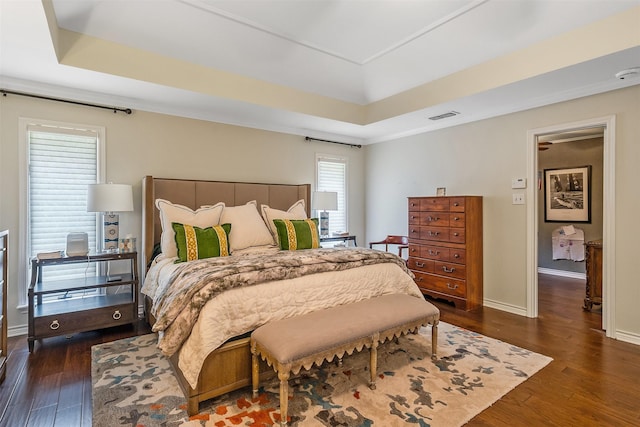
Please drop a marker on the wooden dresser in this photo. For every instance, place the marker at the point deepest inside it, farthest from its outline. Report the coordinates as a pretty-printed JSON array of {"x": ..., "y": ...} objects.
[
  {"x": 593, "y": 257},
  {"x": 445, "y": 248}
]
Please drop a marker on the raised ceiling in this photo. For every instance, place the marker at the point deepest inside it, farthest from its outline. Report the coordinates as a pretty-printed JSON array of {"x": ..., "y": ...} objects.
[{"x": 356, "y": 71}]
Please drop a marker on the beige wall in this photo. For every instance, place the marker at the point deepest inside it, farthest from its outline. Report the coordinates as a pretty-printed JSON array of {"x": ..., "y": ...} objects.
[
  {"x": 169, "y": 147},
  {"x": 481, "y": 158}
]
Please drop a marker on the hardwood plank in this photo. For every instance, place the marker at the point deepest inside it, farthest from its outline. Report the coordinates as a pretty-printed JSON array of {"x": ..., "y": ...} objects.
[
  {"x": 69, "y": 416},
  {"x": 42, "y": 417}
]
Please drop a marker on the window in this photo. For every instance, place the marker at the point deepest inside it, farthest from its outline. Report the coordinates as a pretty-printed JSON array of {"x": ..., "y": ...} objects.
[
  {"x": 331, "y": 175},
  {"x": 59, "y": 161}
]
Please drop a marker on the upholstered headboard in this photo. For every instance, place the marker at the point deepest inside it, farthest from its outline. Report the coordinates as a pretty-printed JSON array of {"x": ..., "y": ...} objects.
[{"x": 196, "y": 193}]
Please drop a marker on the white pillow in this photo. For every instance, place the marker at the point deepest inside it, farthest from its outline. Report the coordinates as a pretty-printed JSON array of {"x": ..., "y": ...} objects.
[
  {"x": 206, "y": 216},
  {"x": 296, "y": 211},
  {"x": 247, "y": 228}
]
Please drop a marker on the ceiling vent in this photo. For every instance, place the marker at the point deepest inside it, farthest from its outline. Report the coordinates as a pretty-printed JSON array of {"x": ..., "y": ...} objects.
[{"x": 444, "y": 116}]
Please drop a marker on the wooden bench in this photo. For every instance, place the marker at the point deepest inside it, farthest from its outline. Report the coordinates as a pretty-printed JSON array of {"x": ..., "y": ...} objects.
[{"x": 289, "y": 345}]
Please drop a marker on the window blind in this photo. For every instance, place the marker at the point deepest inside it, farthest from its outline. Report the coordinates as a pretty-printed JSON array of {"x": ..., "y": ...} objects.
[
  {"x": 332, "y": 176},
  {"x": 61, "y": 164}
]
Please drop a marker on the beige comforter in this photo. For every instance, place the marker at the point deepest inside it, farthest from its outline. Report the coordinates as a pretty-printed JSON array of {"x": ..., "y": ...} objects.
[{"x": 199, "y": 308}]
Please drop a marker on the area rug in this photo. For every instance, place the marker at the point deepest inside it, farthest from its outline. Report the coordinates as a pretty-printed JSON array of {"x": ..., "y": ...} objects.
[{"x": 133, "y": 385}]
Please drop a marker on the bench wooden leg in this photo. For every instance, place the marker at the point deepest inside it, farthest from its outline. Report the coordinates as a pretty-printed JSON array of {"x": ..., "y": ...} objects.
[
  {"x": 373, "y": 361},
  {"x": 284, "y": 396},
  {"x": 255, "y": 372},
  {"x": 434, "y": 340}
]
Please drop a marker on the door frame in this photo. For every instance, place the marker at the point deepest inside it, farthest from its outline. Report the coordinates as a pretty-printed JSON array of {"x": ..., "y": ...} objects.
[{"x": 608, "y": 215}]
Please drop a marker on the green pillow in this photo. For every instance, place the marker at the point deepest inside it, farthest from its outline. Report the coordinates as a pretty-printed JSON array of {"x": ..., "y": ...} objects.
[
  {"x": 199, "y": 243},
  {"x": 294, "y": 234}
]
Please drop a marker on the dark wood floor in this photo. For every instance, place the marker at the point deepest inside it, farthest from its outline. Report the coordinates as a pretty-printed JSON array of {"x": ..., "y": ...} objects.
[{"x": 593, "y": 380}]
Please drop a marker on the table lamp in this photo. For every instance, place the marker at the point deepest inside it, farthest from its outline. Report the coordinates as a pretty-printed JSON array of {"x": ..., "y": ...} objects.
[
  {"x": 325, "y": 201},
  {"x": 109, "y": 199}
]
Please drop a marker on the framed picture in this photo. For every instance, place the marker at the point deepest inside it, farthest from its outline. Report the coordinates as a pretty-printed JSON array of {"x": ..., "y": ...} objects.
[
  {"x": 441, "y": 191},
  {"x": 567, "y": 194}
]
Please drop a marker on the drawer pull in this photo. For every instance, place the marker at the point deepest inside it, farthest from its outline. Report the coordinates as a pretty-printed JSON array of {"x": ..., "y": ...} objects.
[
  {"x": 413, "y": 217},
  {"x": 456, "y": 204},
  {"x": 431, "y": 219},
  {"x": 54, "y": 325},
  {"x": 455, "y": 218},
  {"x": 456, "y": 234},
  {"x": 433, "y": 252},
  {"x": 434, "y": 233},
  {"x": 456, "y": 255},
  {"x": 418, "y": 279},
  {"x": 446, "y": 270},
  {"x": 420, "y": 264},
  {"x": 452, "y": 286},
  {"x": 117, "y": 315}
]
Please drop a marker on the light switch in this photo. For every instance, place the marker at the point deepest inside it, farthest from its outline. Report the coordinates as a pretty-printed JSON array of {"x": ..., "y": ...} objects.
[{"x": 518, "y": 199}]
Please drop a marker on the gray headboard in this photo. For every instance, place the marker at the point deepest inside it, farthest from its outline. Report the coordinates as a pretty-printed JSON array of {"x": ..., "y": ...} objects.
[{"x": 196, "y": 193}]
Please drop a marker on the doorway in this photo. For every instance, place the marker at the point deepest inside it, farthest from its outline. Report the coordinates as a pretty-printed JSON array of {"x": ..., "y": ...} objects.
[
  {"x": 570, "y": 175},
  {"x": 534, "y": 136}
]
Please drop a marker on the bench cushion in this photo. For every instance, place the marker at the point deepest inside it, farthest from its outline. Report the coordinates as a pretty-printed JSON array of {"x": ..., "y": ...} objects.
[{"x": 292, "y": 339}]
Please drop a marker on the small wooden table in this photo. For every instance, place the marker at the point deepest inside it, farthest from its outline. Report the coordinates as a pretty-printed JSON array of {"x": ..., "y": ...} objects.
[{"x": 593, "y": 252}]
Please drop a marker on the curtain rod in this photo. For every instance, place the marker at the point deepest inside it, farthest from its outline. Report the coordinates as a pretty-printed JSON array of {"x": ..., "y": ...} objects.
[
  {"x": 308, "y": 138},
  {"x": 68, "y": 101}
]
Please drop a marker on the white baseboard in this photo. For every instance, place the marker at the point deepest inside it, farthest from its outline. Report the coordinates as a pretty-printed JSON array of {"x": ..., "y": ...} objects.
[
  {"x": 563, "y": 273},
  {"x": 630, "y": 337},
  {"x": 15, "y": 331},
  {"x": 509, "y": 308}
]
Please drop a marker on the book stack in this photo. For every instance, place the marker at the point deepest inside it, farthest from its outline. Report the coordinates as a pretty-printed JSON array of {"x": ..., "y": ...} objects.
[{"x": 50, "y": 255}]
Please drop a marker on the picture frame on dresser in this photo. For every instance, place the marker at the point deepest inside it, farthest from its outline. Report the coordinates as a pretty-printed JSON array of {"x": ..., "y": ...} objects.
[{"x": 567, "y": 194}]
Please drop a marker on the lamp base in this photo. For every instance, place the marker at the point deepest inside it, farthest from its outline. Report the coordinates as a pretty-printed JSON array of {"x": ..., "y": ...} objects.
[
  {"x": 110, "y": 230},
  {"x": 324, "y": 223}
]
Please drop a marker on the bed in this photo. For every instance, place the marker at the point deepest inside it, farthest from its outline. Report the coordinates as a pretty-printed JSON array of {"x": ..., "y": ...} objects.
[{"x": 208, "y": 346}]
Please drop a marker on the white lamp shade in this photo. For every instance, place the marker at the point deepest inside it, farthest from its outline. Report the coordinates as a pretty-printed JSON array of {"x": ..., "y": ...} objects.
[
  {"x": 325, "y": 200},
  {"x": 109, "y": 198}
]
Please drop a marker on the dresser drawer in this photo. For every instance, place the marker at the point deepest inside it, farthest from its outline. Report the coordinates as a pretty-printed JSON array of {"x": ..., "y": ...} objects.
[
  {"x": 414, "y": 204},
  {"x": 457, "y": 255},
  {"x": 435, "y": 233},
  {"x": 414, "y": 217},
  {"x": 414, "y": 232},
  {"x": 457, "y": 235},
  {"x": 435, "y": 204},
  {"x": 72, "y": 322},
  {"x": 456, "y": 219},
  {"x": 434, "y": 219},
  {"x": 456, "y": 204},
  {"x": 420, "y": 264},
  {"x": 430, "y": 252},
  {"x": 440, "y": 284},
  {"x": 458, "y": 271}
]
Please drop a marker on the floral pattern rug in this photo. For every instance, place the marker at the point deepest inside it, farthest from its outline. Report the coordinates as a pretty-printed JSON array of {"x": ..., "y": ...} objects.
[{"x": 133, "y": 385}]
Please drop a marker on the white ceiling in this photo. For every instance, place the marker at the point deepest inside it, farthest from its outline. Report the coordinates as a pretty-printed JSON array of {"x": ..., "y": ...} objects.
[{"x": 380, "y": 60}]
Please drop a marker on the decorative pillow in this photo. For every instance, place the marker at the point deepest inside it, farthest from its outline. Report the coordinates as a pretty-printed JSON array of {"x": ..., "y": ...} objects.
[
  {"x": 200, "y": 243},
  {"x": 298, "y": 234},
  {"x": 206, "y": 216},
  {"x": 296, "y": 211},
  {"x": 247, "y": 229}
]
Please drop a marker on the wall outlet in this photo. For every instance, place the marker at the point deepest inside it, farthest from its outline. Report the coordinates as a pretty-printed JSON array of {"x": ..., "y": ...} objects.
[{"x": 518, "y": 199}]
